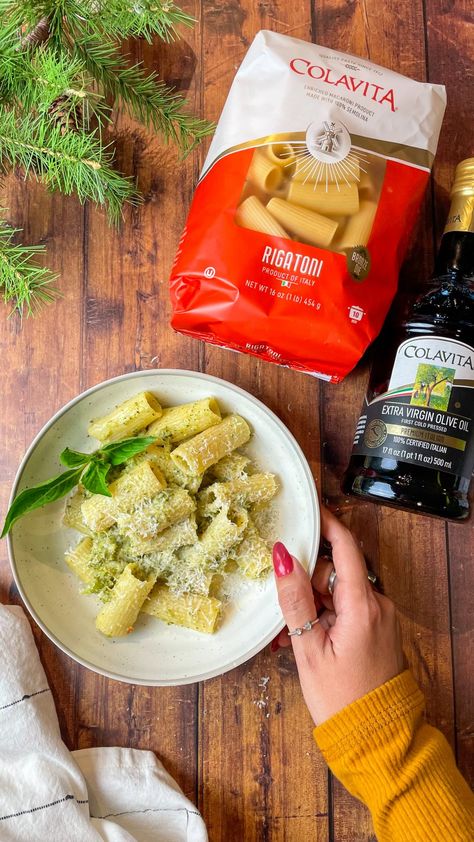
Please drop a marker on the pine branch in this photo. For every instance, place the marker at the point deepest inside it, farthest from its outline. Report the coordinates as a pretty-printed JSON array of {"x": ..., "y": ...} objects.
[
  {"x": 59, "y": 59},
  {"x": 141, "y": 19},
  {"x": 115, "y": 19},
  {"x": 70, "y": 162},
  {"x": 84, "y": 30},
  {"x": 27, "y": 13},
  {"x": 38, "y": 79},
  {"x": 11, "y": 60},
  {"x": 22, "y": 282},
  {"x": 144, "y": 95}
]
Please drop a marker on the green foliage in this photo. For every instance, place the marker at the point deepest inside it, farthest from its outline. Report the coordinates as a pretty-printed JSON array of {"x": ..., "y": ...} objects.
[
  {"x": 141, "y": 19},
  {"x": 41, "y": 494},
  {"x": 95, "y": 476},
  {"x": 69, "y": 162},
  {"x": 119, "y": 452},
  {"x": 426, "y": 389},
  {"x": 90, "y": 469},
  {"x": 73, "y": 458},
  {"x": 143, "y": 95},
  {"x": 60, "y": 66},
  {"x": 86, "y": 35},
  {"x": 23, "y": 283}
]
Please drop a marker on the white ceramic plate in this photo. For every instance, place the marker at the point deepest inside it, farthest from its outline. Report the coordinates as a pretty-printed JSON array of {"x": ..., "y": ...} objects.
[{"x": 156, "y": 654}]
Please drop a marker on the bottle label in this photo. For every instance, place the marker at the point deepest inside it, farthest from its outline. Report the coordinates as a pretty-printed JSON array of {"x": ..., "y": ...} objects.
[{"x": 426, "y": 415}]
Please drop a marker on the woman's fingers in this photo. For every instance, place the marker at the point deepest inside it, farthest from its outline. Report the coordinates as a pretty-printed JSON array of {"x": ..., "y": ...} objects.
[
  {"x": 352, "y": 584},
  {"x": 327, "y": 602},
  {"x": 296, "y": 599},
  {"x": 322, "y": 571},
  {"x": 326, "y": 619}
]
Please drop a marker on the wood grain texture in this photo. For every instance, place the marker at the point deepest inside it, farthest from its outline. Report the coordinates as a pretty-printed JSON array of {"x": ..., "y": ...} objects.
[
  {"x": 125, "y": 327},
  {"x": 40, "y": 372},
  {"x": 450, "y": 52},
  {"x": 407, "y": 552},
  {"x": 241, "y": 745},
  {"x": 257, "y": 783}
]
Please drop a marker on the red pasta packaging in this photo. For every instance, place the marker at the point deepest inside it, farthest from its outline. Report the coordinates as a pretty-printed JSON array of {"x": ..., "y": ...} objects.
[{"x": 307, "y": 198}]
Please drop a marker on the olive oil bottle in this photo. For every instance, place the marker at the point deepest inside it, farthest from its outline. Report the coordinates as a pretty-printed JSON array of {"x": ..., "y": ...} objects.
[{"x": 414, "y": 442}]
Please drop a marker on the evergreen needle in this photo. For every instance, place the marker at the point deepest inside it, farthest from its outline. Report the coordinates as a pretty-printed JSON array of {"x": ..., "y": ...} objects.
[
  {"x": 23, "y": 283},
  {"x": 70, "y": 162},
  {"x": 59, "y": 63}
]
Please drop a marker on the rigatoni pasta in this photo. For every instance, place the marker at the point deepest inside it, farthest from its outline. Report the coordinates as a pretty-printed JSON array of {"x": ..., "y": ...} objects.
[
  {"x": 329, "y": 199},
  {"x": 144, "y": 481},
  {"x": 233, "y": 466},
  {"x": 98, "y": 513},
  {"x": 282, "y": 154},
  {"x": 198, "y": 454},
  {"x": 127, "y": 419},
  {"x": 306, "y": 172},
  {"x": 358, "y": 228},
  {"x": 161, "y": 457},
  {"x": 253, "y": 214},
  {"x": 224, "y": 532},
  {"x": 182, "y": 422},
  {"x": 253, "y": 555},
  {"x": 257, "y": 488},
  {"x": 265, "y": 172},
  {"x": 180, "y": 534},
  {"x": 78, "y": 558},
  {"x": 176, "y": 518},
  {"x": 195, "y": 611},
  {"x": 118, "y": 616},
  {"x": 307, "y": 224},
  {"x": 73, "y": 516}
]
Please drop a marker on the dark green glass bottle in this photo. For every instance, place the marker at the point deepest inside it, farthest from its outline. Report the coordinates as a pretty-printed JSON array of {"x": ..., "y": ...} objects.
[{"x": 414, "y": 443}]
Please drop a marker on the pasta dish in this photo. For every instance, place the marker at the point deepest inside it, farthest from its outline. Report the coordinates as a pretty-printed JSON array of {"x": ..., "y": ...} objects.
[{"x": 182, "y": 514}]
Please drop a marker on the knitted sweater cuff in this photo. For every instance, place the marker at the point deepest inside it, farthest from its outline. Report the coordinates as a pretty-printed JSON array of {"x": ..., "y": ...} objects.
[{"x": 360, "y": 722}]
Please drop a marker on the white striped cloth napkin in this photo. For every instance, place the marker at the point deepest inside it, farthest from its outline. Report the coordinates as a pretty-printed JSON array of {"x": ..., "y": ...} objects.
[{"x": 49, "y": 794}]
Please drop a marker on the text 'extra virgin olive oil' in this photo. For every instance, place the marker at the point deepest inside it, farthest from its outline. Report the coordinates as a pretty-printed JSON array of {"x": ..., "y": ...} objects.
[{"x": 414, "y": 443}]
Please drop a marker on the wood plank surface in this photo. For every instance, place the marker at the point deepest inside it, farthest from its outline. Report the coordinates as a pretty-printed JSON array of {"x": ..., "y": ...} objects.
[
  {"x": 450, "y": 54},
  {"x": 124, "y": 327},
  {"x": 272, "y": 725},
  {"x": 396, "y": 544},
  {"x": 241, "y": 745}
]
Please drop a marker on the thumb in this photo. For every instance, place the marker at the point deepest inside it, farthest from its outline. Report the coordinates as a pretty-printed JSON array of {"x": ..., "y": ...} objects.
[{"x": 296, "y": 599}]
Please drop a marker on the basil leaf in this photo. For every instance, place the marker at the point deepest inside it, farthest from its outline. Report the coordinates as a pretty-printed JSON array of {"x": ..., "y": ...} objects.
[
  {"x": 94, "y": 477},
  {"x": 72, "y": 458},
  {"x": 39, "y": 495},
  {"x": 119, "y": 451}
]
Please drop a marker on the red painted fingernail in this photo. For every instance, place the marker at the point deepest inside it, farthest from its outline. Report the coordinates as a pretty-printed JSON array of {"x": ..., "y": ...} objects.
[
  {"x": 282, "y": 560},
  {"x": 274, "y": 645}
]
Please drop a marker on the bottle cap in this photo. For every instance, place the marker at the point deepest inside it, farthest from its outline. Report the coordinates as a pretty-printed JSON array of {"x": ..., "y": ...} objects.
[{"x": 464, "y": 178}]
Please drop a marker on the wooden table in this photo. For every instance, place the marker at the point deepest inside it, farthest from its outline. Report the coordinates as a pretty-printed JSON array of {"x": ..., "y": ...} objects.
[{"x": 252, "y": 769}]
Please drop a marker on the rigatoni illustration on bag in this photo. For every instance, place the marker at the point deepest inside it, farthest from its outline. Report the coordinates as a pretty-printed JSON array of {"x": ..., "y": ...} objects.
[{"x": 309, "y": 192}]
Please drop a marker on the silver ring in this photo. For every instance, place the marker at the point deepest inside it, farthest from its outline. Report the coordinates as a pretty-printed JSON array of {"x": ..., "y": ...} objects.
[
  {"x": 333, "y": 576},
  {"x": 307, "y": 627},
  {"x": 332, "y": 580}
]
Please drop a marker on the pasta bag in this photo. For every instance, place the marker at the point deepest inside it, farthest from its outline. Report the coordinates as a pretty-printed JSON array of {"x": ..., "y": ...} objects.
[{"x": 301, "y": 217}]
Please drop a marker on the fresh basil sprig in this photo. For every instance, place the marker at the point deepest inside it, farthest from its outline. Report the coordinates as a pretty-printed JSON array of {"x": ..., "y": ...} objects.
[
  {"x": 94, "y": 478},
  {"x": 90, "y": 469}
]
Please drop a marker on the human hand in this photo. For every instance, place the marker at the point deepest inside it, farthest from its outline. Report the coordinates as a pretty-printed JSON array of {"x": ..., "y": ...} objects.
[{"x": 356, "y": 644}]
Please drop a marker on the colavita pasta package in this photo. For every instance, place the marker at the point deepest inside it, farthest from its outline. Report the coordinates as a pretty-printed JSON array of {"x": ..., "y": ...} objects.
[{"x": 306, "y": 201}]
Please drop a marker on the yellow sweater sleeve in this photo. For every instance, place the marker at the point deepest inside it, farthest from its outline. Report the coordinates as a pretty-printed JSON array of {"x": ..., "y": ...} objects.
[{"x": 401, "y": 768}]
